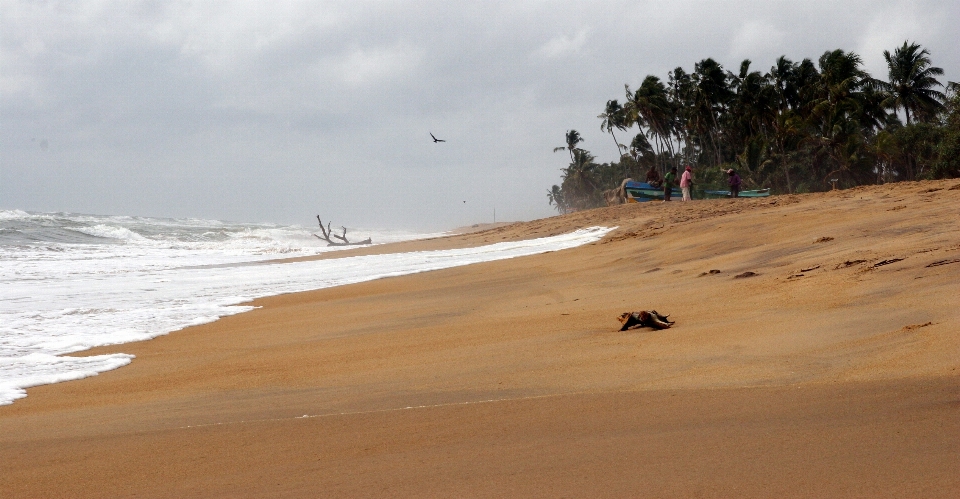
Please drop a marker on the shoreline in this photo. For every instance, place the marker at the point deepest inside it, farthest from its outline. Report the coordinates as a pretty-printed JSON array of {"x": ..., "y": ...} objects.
[{"x": 766, "y": 383}]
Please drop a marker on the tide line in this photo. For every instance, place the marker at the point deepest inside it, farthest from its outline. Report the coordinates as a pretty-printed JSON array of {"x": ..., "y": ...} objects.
[
  {"x": 392, "y": 409},
  {"x": 477, "y": 402}
]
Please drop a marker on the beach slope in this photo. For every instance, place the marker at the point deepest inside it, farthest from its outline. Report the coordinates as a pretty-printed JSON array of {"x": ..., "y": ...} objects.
[{"x": 815, "y": 354}]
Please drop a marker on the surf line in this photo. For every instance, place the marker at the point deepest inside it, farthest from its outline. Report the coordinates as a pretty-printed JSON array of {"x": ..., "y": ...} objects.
[{"x": 392, "y": 409}]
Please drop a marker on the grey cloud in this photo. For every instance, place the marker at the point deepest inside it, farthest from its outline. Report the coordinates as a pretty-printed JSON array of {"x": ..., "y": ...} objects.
[{"x": 257, "y": 111}]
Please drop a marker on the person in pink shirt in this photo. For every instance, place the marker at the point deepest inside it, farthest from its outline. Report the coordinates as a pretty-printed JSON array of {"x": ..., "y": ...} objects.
[{"x": 686, "y": 182}]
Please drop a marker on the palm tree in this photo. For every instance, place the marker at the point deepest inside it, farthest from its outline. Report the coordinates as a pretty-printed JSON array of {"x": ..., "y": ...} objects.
[
  {"x": 580, "y": 187},
  {"x": 887, "y": 151},
  {"x": 555, "y": 197},
  {"x": 650, "y": 106},
  {"x": 710, "y": 93},
  {"x": 912, "y": 78},
  {"x": 678, "y": 83},
  {"x": 640, "y": 146},
  {"x": 639, "y": 149},
  {"x": 784, "y": 78},
  {"x": 845, "y": 110},
  {"x": 613, "y": 116},
  {"x": 751, "y": 110},
  {"x": 573, "y": 138}
]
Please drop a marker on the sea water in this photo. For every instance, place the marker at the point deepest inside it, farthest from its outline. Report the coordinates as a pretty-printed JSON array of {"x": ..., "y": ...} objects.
[{"x": 71, "y": 282}]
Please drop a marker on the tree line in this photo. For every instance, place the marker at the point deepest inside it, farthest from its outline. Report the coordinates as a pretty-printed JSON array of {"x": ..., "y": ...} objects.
[{"x": 799, "y": 127}]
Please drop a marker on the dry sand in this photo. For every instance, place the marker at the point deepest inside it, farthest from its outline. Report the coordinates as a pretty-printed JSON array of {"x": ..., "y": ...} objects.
[{"x": 831, "y": 372}]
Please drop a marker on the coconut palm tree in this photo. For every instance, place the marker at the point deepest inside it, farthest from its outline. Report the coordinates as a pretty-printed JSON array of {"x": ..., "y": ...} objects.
[
  {"x": 555, "y": 197},
  {"x": 912, "y": 81},
  {"x": 650, "y": 106},
  {"x": 580, "y": 186},
  {"x": 614, "y": 116},
  {"x": 573, "y": 138},
  {"x": 751, "y": 109},
  {"x": 710, "y": 93},
  {"x": 845, "y": 109},
  {"x": 679, "y": 94},
  {"x": 640, "y": 146},
  {"x": 787, "y": 126},
  {"x": 781, "y": 76}
]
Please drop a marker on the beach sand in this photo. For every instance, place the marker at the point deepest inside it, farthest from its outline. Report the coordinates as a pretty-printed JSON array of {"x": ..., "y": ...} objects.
[{"x": 832, "y": 371}]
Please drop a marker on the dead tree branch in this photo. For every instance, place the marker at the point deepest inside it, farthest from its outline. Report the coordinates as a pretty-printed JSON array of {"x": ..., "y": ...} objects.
[{"x": 343, "y": 241}]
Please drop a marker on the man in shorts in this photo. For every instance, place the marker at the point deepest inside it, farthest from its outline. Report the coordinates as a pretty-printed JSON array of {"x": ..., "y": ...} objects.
[{"x": 668, "y": 180}]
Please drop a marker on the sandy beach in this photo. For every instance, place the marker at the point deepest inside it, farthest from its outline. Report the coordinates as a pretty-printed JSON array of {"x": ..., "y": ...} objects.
[{"x": 829, "y": 369}]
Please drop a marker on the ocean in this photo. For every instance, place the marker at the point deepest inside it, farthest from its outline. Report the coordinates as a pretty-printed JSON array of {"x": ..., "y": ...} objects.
[{"x": 71, "y": 282}]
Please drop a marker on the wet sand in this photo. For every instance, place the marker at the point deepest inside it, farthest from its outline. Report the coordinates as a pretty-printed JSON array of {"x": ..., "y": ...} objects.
[{"x": 832, "y": 371}]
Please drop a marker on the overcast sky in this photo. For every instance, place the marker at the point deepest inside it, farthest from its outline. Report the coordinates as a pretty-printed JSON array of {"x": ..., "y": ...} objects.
[{"x": 277, "y": 111}]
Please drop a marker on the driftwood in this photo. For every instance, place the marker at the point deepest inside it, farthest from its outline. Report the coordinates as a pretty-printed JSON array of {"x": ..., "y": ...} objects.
[
  {"x": 343, "y": 241},
  {"x": 617, "y": 195},
  {"x": 644, "y": 318}
]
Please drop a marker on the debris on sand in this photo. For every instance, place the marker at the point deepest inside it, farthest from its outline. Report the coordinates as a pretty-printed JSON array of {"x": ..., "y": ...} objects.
[
  {"x": 644, "y": 318},
  {"x": 824, "y": 239},
  {"x": 712, "y": 272},
  {"x": 745, "y": 274},
  {"x": 887, "y": 262},
  {"x": 944, "y": 262},
  {"x": 850, "y": 263}
]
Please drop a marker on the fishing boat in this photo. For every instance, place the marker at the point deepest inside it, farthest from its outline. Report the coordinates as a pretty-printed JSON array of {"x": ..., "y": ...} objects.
[
  {"x": 639, "y": 192},
  {"x": 758, "y": 193}
]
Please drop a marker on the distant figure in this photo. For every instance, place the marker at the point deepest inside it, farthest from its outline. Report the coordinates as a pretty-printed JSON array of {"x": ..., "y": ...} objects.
[
  {"x": 686, "y": 183},
  {"x": 653, "y": 176},
  {"x": 734, "y": 182},
  {"x": 435, "y": 140},
  {"x": 668, "y": 182}
]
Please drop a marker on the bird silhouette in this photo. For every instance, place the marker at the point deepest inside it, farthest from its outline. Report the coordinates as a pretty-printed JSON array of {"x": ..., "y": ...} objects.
[{"x": 435, "y": 140}]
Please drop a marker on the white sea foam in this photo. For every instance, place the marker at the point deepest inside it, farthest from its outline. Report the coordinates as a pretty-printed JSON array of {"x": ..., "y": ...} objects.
[
  {"x": 111, "y": 232},
  {"x": 13, "y": 214},
  {"x": 160, "y": 276}
]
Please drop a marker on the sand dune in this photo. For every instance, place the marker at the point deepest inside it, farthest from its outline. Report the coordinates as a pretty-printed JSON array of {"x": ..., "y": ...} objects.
[{"x": 830, "y": 369}]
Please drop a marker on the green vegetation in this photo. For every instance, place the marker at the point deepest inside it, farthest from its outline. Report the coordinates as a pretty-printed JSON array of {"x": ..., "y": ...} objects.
[{"x": 792, "y": 129}]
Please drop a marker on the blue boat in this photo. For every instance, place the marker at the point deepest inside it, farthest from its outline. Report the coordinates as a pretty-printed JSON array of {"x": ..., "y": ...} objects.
[
  {"x": 639, "y": 192},
  {"x": 759, "y": 193}
]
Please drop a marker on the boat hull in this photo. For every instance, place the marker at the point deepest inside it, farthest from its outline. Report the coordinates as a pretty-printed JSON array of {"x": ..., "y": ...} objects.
[
  {"x": 759, "y": 193},
  {"x": 639, "y": 192}
]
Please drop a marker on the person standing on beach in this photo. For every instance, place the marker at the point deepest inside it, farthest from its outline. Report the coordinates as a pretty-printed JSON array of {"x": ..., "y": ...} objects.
[
  {"x": 686, "y": 183},
  {"x": 668, "y": 181},
  {"x": 734, "y": 183}
]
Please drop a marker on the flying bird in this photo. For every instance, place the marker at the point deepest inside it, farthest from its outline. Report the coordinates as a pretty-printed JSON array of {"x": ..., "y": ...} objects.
[{"x": 435, "y": 140}]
